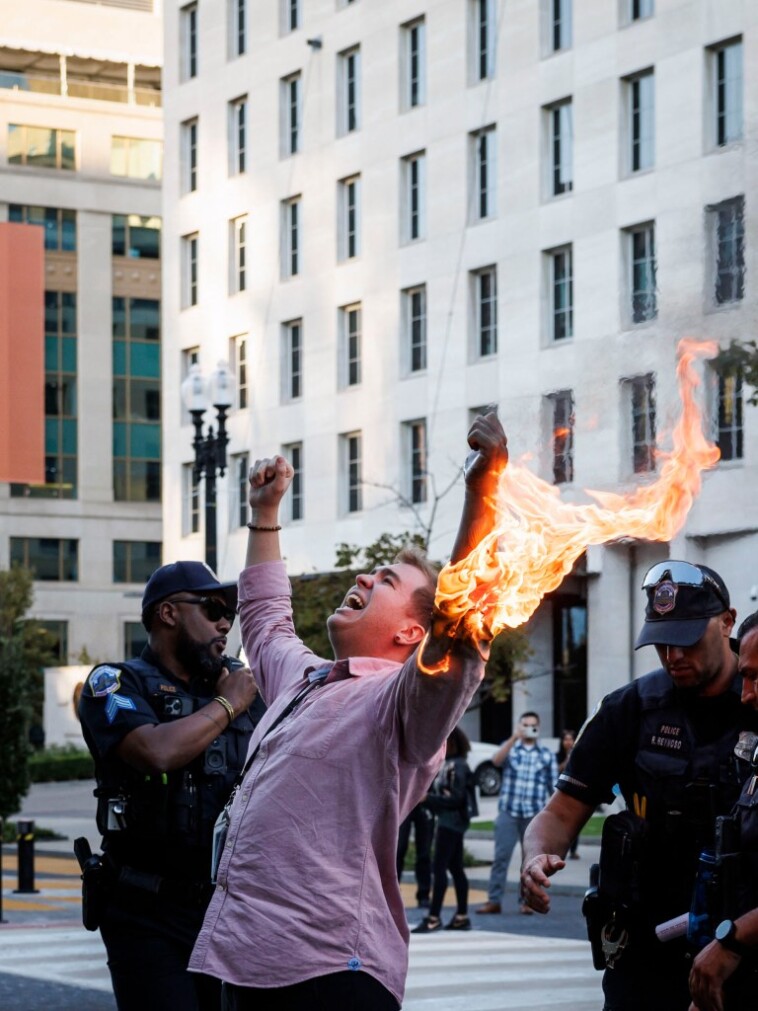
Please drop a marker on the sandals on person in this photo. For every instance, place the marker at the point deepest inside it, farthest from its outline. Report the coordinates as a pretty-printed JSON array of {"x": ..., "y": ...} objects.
[
  {"x": 459, "y": 922},
  {"x": 428, "y": 925}
]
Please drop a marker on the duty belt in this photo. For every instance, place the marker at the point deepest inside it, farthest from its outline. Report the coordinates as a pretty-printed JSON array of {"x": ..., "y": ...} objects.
[{"x": 194, "y": 894}]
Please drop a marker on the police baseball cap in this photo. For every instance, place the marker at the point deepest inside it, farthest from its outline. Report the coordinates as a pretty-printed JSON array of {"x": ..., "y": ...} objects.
[
  {"x": 192, "y": 577},
  {"x": 681, "y": 600}
]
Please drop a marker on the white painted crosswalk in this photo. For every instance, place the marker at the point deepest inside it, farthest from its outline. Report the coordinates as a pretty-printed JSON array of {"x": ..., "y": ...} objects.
[{"x": 474, "y": 971}]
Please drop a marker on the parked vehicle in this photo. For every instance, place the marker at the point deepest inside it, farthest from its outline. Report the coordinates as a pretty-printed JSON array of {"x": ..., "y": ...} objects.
[{"x": 486, "y": 774}]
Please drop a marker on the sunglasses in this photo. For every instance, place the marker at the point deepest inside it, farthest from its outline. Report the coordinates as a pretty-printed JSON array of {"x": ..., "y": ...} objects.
[
  {"x": 683, "y": 574},
  {"x": 214, "y": 609}
]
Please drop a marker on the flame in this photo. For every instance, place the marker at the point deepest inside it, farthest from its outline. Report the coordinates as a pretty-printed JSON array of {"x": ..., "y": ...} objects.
[{"x": 537, "y": 537}]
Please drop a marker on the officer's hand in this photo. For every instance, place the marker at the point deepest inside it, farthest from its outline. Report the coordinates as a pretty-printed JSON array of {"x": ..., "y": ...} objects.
[
  {"x": 711, "y": 968},
  {"x": 238, "y": 687},
  {"x": 535, "y": 879}
]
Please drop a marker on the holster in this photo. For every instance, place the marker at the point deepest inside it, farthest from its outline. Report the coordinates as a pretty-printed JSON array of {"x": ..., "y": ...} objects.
[{"x": 93, "y": 883}]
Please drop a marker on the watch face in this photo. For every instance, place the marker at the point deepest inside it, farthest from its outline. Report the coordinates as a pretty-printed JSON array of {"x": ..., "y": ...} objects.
[{"x": 724, "y": 930}]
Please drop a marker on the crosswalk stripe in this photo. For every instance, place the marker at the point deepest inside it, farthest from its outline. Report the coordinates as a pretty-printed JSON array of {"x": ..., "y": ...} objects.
[{"x": 473, "y": 971}]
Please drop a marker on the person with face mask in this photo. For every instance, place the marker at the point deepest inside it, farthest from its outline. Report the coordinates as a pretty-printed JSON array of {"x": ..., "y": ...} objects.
[
  {"x": 169, "y": 733},
  {"x": 530, "y": 772}
]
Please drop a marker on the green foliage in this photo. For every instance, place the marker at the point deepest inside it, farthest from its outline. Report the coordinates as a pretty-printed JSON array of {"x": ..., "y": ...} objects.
[
  {"x": 60, "y": 763},
  {"x": 741, "y": 357},
  {"x": 381, "y": 552},
  {"x": 23, "y": 653},
  {"x": 510, "y": 651}
]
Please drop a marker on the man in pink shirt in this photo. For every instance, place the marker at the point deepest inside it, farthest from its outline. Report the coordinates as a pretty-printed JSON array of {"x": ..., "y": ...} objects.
[{"x": 307, "y": 913}]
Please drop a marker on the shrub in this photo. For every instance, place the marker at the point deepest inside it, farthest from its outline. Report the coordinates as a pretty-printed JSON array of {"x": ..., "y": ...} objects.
[{"x": 61, "y": 762}]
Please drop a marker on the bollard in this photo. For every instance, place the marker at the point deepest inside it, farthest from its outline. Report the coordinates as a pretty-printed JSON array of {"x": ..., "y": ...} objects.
[{"x": 25, "y": 839}]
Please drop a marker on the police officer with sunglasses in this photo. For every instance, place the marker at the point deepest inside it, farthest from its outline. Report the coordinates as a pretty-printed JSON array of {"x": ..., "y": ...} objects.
[
  {"x": 169, "y": 733},
  {"x": 667, "y": 741}
]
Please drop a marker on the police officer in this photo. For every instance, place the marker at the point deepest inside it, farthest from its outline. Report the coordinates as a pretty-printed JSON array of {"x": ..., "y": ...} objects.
[
  {"x": 169, "y": 733},
  {"x": 667, "y": 739},
  {"x": 724, "y": 975}
]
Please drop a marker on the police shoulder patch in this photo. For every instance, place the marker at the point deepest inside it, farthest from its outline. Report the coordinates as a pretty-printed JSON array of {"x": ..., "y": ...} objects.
[{"x": 104, "y": 680}]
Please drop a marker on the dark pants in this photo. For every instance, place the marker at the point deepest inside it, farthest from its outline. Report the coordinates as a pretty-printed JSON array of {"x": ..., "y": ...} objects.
[
  {"x": 421, "y": 820},
  {"x": 149, "y": 942},
  {"x": 649, "y": 977},
  {"x": 338, "y": 991},
  {"x": 448, "y": 856}
]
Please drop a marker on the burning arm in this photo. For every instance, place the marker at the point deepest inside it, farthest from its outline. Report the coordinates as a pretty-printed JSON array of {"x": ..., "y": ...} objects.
[{"x": 460, "y": 606}]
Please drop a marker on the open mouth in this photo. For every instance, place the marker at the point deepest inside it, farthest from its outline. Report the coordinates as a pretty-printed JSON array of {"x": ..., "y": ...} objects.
[{"x": 354, "y": 601}]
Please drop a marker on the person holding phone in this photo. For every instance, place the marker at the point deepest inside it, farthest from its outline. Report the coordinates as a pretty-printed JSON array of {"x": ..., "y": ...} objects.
[
  {"x": 530, "y": 772},
  {"x": 169, "y": 733}
]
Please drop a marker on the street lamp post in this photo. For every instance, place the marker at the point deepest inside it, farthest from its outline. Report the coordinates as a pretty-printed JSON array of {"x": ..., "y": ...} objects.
[{"x": 210, "y": 448}]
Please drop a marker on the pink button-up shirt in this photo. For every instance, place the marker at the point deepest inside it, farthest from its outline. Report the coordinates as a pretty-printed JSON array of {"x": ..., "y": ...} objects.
[{"x": 307, "y": 883}]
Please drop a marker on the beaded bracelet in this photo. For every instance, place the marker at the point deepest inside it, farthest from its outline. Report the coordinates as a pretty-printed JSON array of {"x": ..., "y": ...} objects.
[
  {"x": 270, "y": 530},
  {"x": 227, "y": 705}
]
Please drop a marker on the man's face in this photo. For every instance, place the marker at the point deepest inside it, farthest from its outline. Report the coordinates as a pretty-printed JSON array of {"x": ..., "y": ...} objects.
[
  {"x": 529, "y": 728},
  {"x": 696, "y": 667},
  {"x": 200, "y": 641},
  {"x": 375, "y": 612},
  {"x": 748, "y": 668}
]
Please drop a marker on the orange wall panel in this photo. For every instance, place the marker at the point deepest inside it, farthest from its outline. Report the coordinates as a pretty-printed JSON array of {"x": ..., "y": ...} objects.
[{"x": 22, "y": 353}]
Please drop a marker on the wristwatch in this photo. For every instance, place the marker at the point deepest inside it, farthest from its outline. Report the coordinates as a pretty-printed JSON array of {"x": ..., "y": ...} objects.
[{"x": 725, "y": 936}]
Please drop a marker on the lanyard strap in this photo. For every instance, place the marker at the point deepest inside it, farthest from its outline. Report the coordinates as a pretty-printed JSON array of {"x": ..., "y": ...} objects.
[{"x": 293, "y": 704}]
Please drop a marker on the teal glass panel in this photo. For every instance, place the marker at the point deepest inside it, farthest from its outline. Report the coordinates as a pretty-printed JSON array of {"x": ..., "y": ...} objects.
[
  {"x": 119, "y": 358},
  {"x": 68, "y": 426},
  {"x": 120, "y": 430},
  {"x": 51, "y": 354},
  {"x": 68, "y": 354},
  {"x": 118, "y": 313},
  {"x": 145, "y": 360},
  {"x": 146, "y": 442}
]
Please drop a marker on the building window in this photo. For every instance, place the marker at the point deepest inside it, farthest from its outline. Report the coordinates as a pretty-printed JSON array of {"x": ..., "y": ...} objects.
[
  {"x": 190, "y": 501},
  {"x": 239, "y": 358},
  {"x": 640, "y": 9},
  {"x": 559, "y": 24},
  {"x": 291, "y": 237},
  {"x": 189, "y": 357},
  {"x": 413, "y": 64},
  {"x": 237, "y": 251},
  {"x": 413, "y": 173},
  {"x": 41, "y": 147},
  {"x": 727, "y": 221},
  {"x": 135, "y": 561},
  {"x": 484, "y": 284},
  {"x": 135, "y": 638},
  {"x": 728, "y": 415},
  {"x": 292, "y": 364},
  {"x": 59, "y": 225},
  {"x": 350, "y": 327},
  {"x": 351, "y": 467},
  {"x": 237, "y": 135},
  {"x": 50, "y": 559},
  {"x": 237, "y": 28},
  {"x": 136, "y": 158},
  {"x": 291, "y": 106},
  {"x": 295, "y": 502},
  {"x": 416, "y": 450},
  {"x": 189, "y": 155},
  {"x": 61, "y": 411},
  {"x": 642, "y": 279},
  {"x": 642, "y": 402},
  {"x": 54, "y": 639},
  {"x": 562, "y": 436},
  {"x": 189, "y": 270},
  {"x": 349, "y": 91},
  {"x": 188, "y": 37},
  {"x": 136, "y": 237},
  {"x": 240, "y": 508},
  {"x": 561, "y": 293},
  {"x": 640, "y": 94},
  {"x": 727, "y": 92},
  {"x": 136, "y": 400},
  {"x": 483, "y": 35},
  {"x": 290, "y": 15},
  {"x": 349, "y": 211},
  {"x": 561, "y": 148},
  {"x": 414, "y": 325},
  {"x": 483, "y": 148}
]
